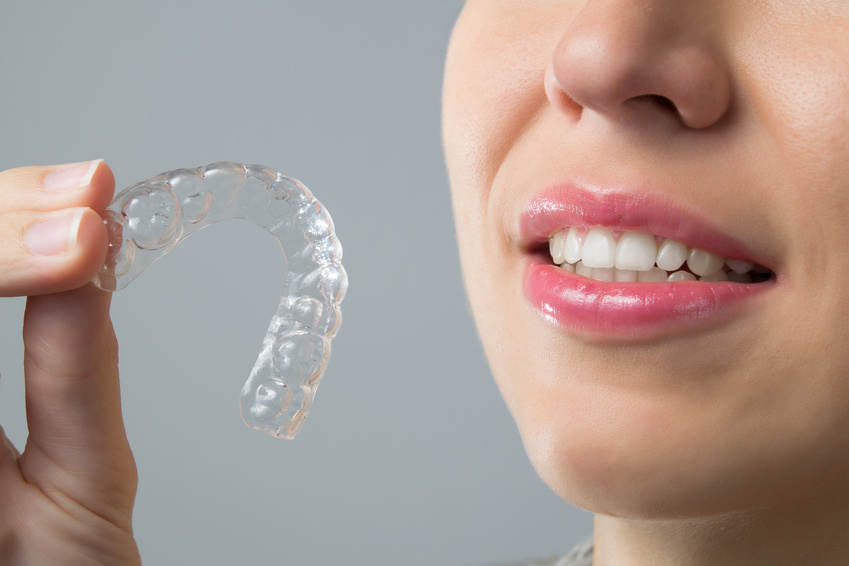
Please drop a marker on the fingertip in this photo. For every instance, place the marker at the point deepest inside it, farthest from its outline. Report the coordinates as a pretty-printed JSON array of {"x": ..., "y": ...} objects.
[
  {"x": 86, "y": 253},
  {"x": 91, "y": 245},
  {"x": 93, "y": 181},
  {"x": 45, "y": 188},
  {"x": 102, "y": 184},
  {"x": 62, "y": 251}
]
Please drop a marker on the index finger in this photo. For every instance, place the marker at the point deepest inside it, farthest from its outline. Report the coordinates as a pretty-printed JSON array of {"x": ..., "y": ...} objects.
[{"x": 45, "y": 188}]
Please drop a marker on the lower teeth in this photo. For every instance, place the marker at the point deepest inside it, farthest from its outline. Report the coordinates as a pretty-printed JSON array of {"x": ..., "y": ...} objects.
[{"x": 657, "y": 275}]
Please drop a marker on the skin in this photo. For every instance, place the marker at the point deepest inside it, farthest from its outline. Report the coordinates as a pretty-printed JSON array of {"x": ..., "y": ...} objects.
[
  {"x": 68, "y": 498},
  {"x": 728, "y": 445}
]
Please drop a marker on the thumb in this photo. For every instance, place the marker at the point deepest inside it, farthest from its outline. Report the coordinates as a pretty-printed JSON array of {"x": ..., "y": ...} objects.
[{"x": 76, "y": 444}]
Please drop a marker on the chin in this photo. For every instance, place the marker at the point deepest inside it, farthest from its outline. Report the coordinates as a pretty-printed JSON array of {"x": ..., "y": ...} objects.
[{"x": 642, "y": 460}]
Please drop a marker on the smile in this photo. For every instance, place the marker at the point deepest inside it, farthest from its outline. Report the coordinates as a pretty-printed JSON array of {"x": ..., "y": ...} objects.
[
  {"x": 613, "y": 266},
  {"x": 629, "y": 257}
]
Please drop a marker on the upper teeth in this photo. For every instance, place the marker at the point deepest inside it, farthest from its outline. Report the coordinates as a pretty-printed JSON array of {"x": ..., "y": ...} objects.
[{"x": 637, "y": 256}]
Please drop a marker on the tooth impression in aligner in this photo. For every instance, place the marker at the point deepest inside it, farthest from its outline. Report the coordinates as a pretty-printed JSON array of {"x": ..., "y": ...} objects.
[{"x": 149, "y": 218}]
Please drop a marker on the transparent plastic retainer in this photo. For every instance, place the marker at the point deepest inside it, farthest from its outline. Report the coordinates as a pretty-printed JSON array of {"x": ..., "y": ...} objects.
[{"x": 149, "y": 218}]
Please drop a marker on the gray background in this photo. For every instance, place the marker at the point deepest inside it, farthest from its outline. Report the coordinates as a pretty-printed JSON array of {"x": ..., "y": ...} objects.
[{"x": 409, "y": 455}]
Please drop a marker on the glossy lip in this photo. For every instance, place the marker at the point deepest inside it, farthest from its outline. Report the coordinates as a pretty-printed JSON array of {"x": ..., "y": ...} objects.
[
  {"x": 628, "y": 311},
  {"x": 562, "y": 207}
]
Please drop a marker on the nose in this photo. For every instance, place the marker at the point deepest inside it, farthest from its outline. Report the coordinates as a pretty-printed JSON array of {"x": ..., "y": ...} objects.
[{"x": 635, "y": 59}]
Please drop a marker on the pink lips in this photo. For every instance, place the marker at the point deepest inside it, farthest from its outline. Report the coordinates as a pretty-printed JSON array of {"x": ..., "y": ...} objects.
[{"x": 627, "y": 310}]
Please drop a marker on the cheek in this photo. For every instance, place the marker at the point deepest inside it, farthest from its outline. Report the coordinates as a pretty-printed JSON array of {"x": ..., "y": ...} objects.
[
  {"x": 803, "y": 105},
  {"x": 806, "y": 112},
  {"x": 799, "y": 93},
  {"x": 493, "y": 87}
]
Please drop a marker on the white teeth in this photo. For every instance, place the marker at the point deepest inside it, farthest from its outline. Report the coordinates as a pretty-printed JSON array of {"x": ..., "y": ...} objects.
[
  {"x": 595, "y": 253},
  {"x": 656, "y": 275},
  {"x": 636, "y": 251},
  {"x": 739, "y": 277},
  {"x": 603, "y": 274},
  {"x": 572, "y": 246},
  {"x": 671, "y": 255},
  {"x": 704, "y": 263},
  {"x": 599, "y": 249},
  {"x": 625, "y": 276},
  {"x": 715, "y": 277},
  {"x": 555, "y": 248},
  {"x": 681, "y": 276},
  {"x": 739, "y": 266}
]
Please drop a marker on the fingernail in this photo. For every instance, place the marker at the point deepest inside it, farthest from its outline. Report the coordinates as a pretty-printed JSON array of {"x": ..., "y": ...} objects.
[
  {"x": 56, "y": 235},
  {"x": 71, "y": 176}
]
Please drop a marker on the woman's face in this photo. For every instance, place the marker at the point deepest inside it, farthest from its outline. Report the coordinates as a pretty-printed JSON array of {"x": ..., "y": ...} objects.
[{"x": 717, "y": 125}]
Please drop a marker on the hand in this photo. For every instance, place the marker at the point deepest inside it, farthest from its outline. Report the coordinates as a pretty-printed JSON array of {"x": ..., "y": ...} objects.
[{"x": 68, "y": 498}]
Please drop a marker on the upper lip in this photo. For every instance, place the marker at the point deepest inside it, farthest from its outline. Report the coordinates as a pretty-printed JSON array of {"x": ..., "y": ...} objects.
[{"x": 564, "y": 206}]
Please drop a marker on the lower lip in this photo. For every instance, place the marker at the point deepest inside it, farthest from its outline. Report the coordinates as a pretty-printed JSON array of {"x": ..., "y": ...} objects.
[{"x": 632, "y": 311}]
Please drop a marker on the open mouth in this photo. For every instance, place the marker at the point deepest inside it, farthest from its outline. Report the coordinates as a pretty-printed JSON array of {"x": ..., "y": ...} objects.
[
  {"x": 636, "y": 257},
  {"x": 615, "y": 265}
]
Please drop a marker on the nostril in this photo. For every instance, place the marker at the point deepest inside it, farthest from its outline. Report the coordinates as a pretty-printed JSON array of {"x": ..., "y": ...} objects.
[
  {"x": 664, "y": 102},
  {"x": 628, "y": 62},
  {"x": 658, "y": 101}
]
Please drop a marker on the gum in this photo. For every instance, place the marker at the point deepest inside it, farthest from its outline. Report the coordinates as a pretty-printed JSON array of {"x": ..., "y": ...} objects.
[{"x": 146, "y": 220}]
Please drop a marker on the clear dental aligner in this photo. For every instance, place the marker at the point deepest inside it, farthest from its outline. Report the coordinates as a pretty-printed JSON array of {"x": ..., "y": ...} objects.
[
  {"x": 149, "y": 218},
  {"x": 629, "y": 257}
]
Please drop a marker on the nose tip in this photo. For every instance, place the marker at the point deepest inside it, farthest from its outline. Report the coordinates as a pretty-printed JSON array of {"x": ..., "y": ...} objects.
[{"x": 645, "y": 65}]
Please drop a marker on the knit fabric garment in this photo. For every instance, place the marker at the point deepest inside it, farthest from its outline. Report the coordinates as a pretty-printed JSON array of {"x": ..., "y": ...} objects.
[{"x": 581, "y": 555}]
